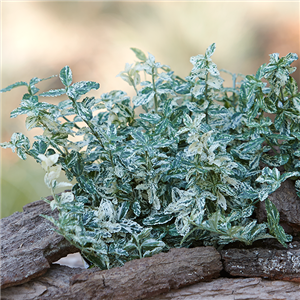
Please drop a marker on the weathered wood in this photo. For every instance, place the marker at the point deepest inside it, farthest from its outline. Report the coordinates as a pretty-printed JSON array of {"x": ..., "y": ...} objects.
[
  {"x": 288, "y": 205},
  {"x": 267, "y": 263},
  {"x": 236, "y": 289},
  {"x": 137, "y": 279},
  {"x": 54, "y": 281},
  {"x": 29, "y": 245}
]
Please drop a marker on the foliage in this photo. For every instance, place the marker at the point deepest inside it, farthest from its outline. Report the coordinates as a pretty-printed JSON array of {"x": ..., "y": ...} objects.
[{"x": 187, "y": 170}]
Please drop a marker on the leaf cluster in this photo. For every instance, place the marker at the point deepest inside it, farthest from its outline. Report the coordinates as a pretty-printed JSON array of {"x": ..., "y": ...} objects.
[{"x": 188, "y": 170}]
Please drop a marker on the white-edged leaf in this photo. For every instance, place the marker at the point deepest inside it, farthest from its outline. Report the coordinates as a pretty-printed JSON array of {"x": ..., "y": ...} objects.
[
  {"x": 53, "y": 93},
  {"x": 65, "y": 76},
  {"x": 14, "y": 85},
  {"x": 139, "y": 54}
]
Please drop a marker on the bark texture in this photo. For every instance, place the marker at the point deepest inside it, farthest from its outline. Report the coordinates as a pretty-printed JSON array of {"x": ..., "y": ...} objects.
[
  {"x": 137, "y": 279},
  {"x": 29, "y": 245},
  {"x": 267, "y": 263},
  {"x": 236, "y": 289}
]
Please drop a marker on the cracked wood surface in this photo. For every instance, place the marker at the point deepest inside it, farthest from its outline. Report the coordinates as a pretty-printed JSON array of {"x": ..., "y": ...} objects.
[
  {"x": 29, "y": 245},
  {"x": 137, "y": 279},
  {"x": 267, "y": 263},
  {"x": 236, "y": 289}
]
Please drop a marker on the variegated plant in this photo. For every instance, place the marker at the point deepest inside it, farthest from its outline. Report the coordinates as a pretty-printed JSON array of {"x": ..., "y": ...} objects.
[{"x": 188, "y": 170}]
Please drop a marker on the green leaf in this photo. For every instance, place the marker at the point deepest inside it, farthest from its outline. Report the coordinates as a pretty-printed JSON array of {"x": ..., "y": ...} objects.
[
  {"x": 31, "y": 122},
  {"x": 19, "y": 111},
  {"x": 136, "y": 207},
  {"x": 152, "y": 243},
  {"x": 252, "y": 146},
  {"x": 122, "y": 210},
  {"x": 80, "y": 88},
  {"x": 53, "y": 93},
  {"x": 65, "y": 76},
  {"x": 269, "y": 106},
  {"x": 210, "y": 50},
  {"x": 273, "y": 224},
  {"x": 139, "y": 54},
  {"x": 144, "y": 96},
  {"x": 297, "y": 187},
  {"x": 14, "y": 85},
  {"x": 260, "y": 72},
  {"x": 149, "y": 253},
  {"x": 151, "y": 118},
  {"x": 88, "y": 185},
  {"x": 84, "y": 112},
  {"x": 276, "y": 160},
  {"x": 279, "y": 136},
  {"x": 144, "y": 234},
  {"x": 157, "y": 219}
]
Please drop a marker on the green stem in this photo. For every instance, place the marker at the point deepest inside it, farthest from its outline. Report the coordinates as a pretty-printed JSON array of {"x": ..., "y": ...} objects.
[
  {"x": 206, "y": 112},
  {"x": 132, "y": 82},
  {"x": 269, "y": 143},
  {"x": 111, "y": 159},
  {"x": 54, "y": 146},
  {"x": 88, "y": 124},
  {"x": 234, "y": 86},
  {"x": 140, "y": 252},
  {"x": 261, "y": 114},
  {"x": 187, "y": 235},
  {"x": 205, "y": 94},
  {"x": 154, "y": 89},
  {"x": 75, "y": 125},
  {"x": 281, "y": 93}
]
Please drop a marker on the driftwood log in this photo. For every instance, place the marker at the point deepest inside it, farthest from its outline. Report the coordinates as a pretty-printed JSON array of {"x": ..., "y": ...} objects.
[
  {"x": 29, "y": 246},
  {"x": 236, "y": 289},
  {"x": 137, "y": 279},
  {"x": 52, "y": 284},
  {"x": 267, "y": 263}
]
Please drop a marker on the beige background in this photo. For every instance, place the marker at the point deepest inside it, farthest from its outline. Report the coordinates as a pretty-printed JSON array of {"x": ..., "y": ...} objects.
[{"x": 93, "y": 38}]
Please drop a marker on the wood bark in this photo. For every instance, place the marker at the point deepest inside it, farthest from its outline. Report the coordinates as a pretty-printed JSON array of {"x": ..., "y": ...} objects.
[
  {"x": 137, "y": 279},
  {"x": 29, "y": 244},
  {"x": 267, "y": 263},
  {"x": 236, "y": 289}
]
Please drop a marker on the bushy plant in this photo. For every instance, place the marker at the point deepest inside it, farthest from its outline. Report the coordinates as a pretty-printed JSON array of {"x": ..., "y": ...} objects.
[{"x": 188, "y": 170}]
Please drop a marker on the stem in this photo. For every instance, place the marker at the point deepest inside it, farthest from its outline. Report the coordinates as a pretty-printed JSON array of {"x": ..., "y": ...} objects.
[
  {"x": 261, "y": 114},
  {"x": 205, "y": 94},
  {"x": 154, "y": 89},
  {"x": 269, "y": 143},
  {"x": 281, "y": 93},
  {"x": 140, "y": 252},
  {"x": 234, "y": 85},
  {"x": 187, "y": 235},
  {"x": 88, "y": 123},
  {"x": 94, "y": 132},
  {"x": 132, "y": 81},
  {"x": 75, "y": 125},
  {"x": 111, "y": 159},
  {"x": 53, "y": 194},
  {"x": 54, "y": 146},
  {"x": 206, "y": 112},
  {"x": 148, "y": 161}
]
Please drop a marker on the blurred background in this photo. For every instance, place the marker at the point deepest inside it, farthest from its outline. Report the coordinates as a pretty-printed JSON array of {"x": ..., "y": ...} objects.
[{"x": 93, "y": 38}]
